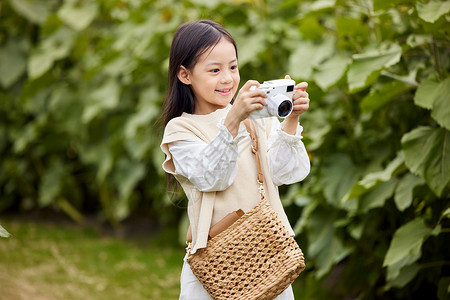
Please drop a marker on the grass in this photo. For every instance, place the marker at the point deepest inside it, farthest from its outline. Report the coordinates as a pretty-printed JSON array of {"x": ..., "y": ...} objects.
[
  {"x": 47, "y": 260},
  {"x": 51, "y": 260}
]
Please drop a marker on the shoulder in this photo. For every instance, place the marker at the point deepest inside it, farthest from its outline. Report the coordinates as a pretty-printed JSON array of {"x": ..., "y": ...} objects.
[{"x": 184, "y": 128}]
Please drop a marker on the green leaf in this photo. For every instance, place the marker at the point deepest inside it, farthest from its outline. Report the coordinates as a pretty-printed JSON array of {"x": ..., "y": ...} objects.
[
  {"x": 3, "y": 232},
  {"x": 250, "y": 47},
  {"x": 404, "y": 276},
  {"x": 427, "y": 154},
  {"x": 34, "y": 11},
  {"x": 425, "y": 93},
  {"x": 432, "y": 10},
  {"x": 441, "y": 105},
  {"x": 329, "y": 72},
  {"x": 445, "y": 214},
  {"x": 78, "y": 17},
  {"x": 415, "y": 40},
  {"x": 385, "y": 175},
  {"x": 103, "y": 98},
  {"x": 443, "y": 288},
  {"x": 377, "y": 196},
  {"x": 51, "y": 184},
  {"x": 325, "y": 249},
  {"x": 57, "y": 46},
  {"x": 12, "y": 63},
  {"x": 309, "y": 55},
  {"x": 126, "y": 176},
  {"x": 337, "y": 183},
  {"x": 407, "y": 241},
  {"x": 366, "y": 67},
  {"x": 381, "y": 94},
  {"x": 404, "y": 191},
  {"x": 434, "y": 95}
]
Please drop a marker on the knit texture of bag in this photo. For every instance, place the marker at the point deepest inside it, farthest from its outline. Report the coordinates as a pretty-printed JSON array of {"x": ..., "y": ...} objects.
[{"x": 254, "y": 258}]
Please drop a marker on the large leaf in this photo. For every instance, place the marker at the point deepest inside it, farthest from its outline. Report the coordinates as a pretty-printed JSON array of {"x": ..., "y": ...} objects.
[
  {"x": 51, "y": 184},
  {"x": 404, "y": 191},
  {"x": 374, "y": 179},
  {"x": 432, "y": 10},
  {"x": 103, "y": 98},
  {"x": 427, "y": 154},
  {"x": 34, "y": 11},
  {"x": 337, "y": 183},
  {"x": 329, "y": 72},
  {"x": 381, "y": 94},
  {"x": 309, "y": 55},
  {"x": 434, "y": 95},
  {"x": 377, "y": 196},
  {"x": 57, "y": 46},
  {"x": 406, "y": 245},
  {"x": 366, "y": 67},
  {"x": 126, "y": 176},
  {"x": 79, "y": 16},
  {"x": 3, "y": 232},
  {"x": 12, "y": 63},
  {"x": 326, "y": 248}
]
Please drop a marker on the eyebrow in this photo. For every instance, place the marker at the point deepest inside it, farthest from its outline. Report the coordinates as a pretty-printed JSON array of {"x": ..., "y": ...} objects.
[{"x": 218, "y": 63}]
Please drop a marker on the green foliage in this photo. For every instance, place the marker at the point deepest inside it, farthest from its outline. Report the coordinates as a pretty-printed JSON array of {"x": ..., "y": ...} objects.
[
  {"x": 82, "y": 83},
  {"x": 3, "y": 232}
]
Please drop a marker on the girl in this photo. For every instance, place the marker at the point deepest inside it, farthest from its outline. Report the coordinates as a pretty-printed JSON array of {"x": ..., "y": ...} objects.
[{"x": 207, "y": 146}]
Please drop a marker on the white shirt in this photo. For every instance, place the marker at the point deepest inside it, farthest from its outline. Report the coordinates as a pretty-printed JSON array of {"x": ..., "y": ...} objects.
[{"x": 213, "y": 166}]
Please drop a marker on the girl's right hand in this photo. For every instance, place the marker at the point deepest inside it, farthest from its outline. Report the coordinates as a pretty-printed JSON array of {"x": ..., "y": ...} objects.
[{"x": 245, "y": 103}]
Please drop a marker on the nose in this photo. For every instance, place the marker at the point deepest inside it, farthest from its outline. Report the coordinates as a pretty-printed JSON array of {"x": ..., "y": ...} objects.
[{"x": 226, "y": 77}]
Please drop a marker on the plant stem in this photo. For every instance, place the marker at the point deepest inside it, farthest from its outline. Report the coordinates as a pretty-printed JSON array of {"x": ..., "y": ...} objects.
[
  {"x": 435, "y": 264},
  {"x": 437, "y": 64}
]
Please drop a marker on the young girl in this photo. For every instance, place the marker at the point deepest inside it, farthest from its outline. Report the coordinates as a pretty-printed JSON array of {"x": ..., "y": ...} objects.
[{"x": 207, "y": 146}]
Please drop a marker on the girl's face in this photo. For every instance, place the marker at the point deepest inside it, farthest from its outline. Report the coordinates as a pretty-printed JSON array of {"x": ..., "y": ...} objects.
[{"x": 214, "y": 79}]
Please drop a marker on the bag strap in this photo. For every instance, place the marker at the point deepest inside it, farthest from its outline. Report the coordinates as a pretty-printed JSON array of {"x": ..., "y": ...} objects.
[{"x": 253, "y": 135}]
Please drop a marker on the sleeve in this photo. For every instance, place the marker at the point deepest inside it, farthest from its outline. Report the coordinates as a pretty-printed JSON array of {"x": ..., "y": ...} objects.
[
  {"x": 287, "y": 157},
  {"x": 209, "y": 166}
]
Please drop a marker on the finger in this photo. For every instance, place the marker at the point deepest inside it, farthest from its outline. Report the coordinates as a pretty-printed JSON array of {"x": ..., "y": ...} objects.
[
  {"x": 287, "y": 77},
  {"x": 249, "y": 84},
  {"x": 301, "y": 100},
  {"x": 300, "y": 96},
  {"x": 301, "y": 86},
  {"x": 300, "y": 108}
]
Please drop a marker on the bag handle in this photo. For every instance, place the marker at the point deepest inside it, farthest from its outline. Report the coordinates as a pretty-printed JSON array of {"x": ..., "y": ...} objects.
[{"x": 253, "y": 135}]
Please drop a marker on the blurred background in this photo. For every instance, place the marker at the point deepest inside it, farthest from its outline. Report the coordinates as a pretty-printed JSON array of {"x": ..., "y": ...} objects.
[{"x": 82, "y": 192}]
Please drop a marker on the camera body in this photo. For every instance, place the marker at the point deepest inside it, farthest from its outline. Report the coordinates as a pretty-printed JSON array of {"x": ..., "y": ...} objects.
[{"x": 279, "y": 99}]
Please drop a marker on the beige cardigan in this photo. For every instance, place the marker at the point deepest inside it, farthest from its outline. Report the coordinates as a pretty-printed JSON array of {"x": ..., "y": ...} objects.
[{"x": 207, "y": 208}]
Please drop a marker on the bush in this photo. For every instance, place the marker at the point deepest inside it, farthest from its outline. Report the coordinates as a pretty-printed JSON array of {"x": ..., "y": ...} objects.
[{"x": 82, "y": 83}]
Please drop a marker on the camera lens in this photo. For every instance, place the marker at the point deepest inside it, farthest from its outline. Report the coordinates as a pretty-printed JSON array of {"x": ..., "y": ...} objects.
[{"x": 285, "y": 108}]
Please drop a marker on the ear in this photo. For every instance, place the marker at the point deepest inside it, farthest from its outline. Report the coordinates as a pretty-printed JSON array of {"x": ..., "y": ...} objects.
[{"x": 184, "y": 75}]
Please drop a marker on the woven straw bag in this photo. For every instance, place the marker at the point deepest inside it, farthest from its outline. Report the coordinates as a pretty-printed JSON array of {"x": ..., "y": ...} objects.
[{"x": 254, "y": 258}]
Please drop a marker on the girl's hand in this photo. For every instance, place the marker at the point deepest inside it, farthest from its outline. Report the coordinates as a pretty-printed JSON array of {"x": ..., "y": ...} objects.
[
  {"x": 245, "y": 103},
  {"x": 300, "y": 99},
  {"x": 301, "y": 104}
]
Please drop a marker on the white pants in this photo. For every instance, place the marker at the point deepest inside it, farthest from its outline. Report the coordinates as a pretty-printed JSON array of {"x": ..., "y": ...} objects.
[{"x": 192, "y": 289}]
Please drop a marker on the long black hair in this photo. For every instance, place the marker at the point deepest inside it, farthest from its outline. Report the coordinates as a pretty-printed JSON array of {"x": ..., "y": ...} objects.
[{"x": 190, "y": 41}]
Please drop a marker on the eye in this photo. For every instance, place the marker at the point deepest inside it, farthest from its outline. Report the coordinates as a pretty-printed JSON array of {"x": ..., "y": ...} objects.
[
  {"x": 234, "y": 67},
  {"x": 214, "y": 70}
]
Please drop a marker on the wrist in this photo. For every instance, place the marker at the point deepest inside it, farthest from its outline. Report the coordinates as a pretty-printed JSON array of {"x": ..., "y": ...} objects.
[
  {"x": 232, "y": 124},
  {"x": 290, "y": 124}
]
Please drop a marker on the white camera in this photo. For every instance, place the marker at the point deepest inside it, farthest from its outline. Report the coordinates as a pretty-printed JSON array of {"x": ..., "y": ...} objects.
[{"x": 279, "y": 99}]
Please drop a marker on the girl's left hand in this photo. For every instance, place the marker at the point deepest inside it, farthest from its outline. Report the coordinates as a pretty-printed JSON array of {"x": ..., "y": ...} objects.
[{"x": 300, "y": 99}]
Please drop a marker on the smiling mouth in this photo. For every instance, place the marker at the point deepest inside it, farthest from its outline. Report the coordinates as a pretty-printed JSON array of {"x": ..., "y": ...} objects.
[{"x": 224, "y": 91}]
